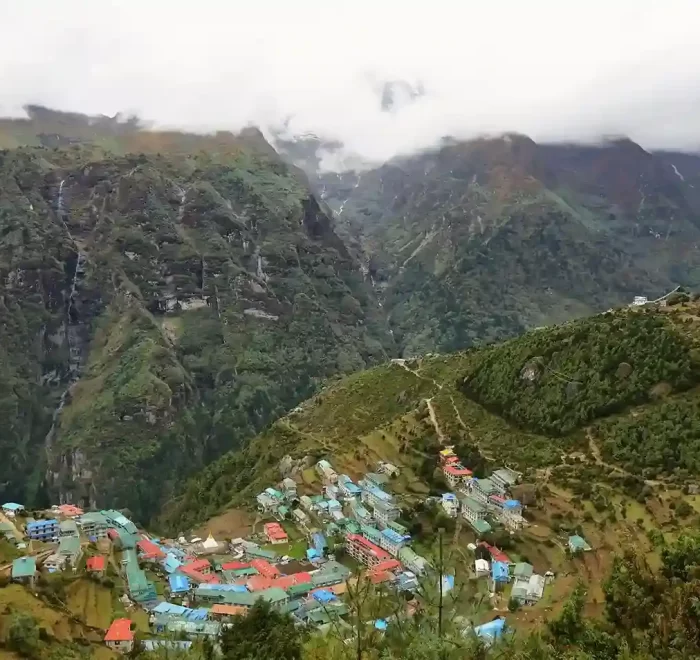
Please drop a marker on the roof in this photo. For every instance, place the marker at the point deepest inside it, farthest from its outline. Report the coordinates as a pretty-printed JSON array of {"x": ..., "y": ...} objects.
[
  {"x": 273, "y": 595},
  {"x": 155, "y": 644},
  {"x": 70, "y": 510},
  {"x": 228, "y": 610},
  {"x": 234, "y": 565},
  {"x": 473, "y": 504},
  {"x": 578, "y": 543},
  {"x": 507, "y": 475},
  {"x": 198, "y": 565},
  {"x": 481, "y": 526},
  {"x": 377, "y": 478},
  {"x": 96, "y": 563},
  {"x": 499, "y": 571},
  {"x": 198, "y": 576},
  {"x": 68, "y": 525},
  {"x": 486, "y": 486},
  {"x": 512, "y": 504},
  {"x": 275, "y": 531},
  {"x": 523, "y": 570},
  {"x": 264, "y": 568},
  {"x": 178, "y": 583},
  {"x": 261, "y": 552},
  {"x": 69, "y": 545},
  {"x": 23, "y": 567},
  {"x": 457, "y": 470},
  {"x": 171, "y": 563},
  {"x": 12, "y": 506},
  {"x": 324, "y": 596},
  {"x": 394, "y": 537},
  {"x": 150, "y": 549},
  {"x": 481, "y": 565},
  {"x": 42, "y": 523},
  {"x": 496, "y": 554},
  {"x": 373, "y": 549},
  {"x": 492, "y": 630},
  {"x": 119, "y": 631},
  {"x": 388, "y": 565}
]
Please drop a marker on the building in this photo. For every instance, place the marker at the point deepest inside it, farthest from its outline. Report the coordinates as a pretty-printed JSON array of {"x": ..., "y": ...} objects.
[
  {"x": 481, "y": 568},
  {"x": 500, "y": 574},
  {"x": 320, "y": 543},
  {"x": 7, "y": 531},
  {"x": 639, "y": 301},
  {"x": 578, "y": 544},
  {"x": 11, "y": 509},
  {"x": 331, "y": 491},
  {"x": 96, "y": 565},
  {"x": 482, "y": 489},
  {"x": 140, "y": 588},
  {"x": 473, "y": 509},
  {"x": 24, "y": 570},
  {"x": 289, "y": 488},
  {"x": 68, "y": 528},
  {"x": 456, "y": 474},
  {"x": 450, "y": 504},
  {"x": 281, "y": 512},
  {"x": 365, "y": 551},
  {"x": 275, "y": 534},
  {"x": 528, "y": 590},
  {"x": 347, "y": 487},
  {"x": 43, "y": 530},
  {"x": 512, "y": 515},
  {"x": 387, "y": 468},
  {"x": 54, "y": 562},
  {"x": 120, "y": 637},
  {"x": 178, "y": 583},
  {"x": 412, "y": 561},
  {"x": 266, "y": 503},
  {"x": 490, "y": 632},
  {"x": 69, "y": 548},
  {"x": 300, "y": 517},
  {"x": 385, "y": 512},
  {"x": 504, "y": 479},
  {"x": 372, "y": 494},
  {"x": 326, "y": 472},
  {"x": 391, "y": 541},
  {"x": 496, "y": 554},
  {"x": 69, "y": 510},
  {"x": 480, "y": 526},
  {"x": 360, "y": 514},
  {"x": 93, "y": 524},
  {"x": 306, "y": 503},
  {"x": 378, "y": 480},
  {"x": 150, "y": 551},
  {"x": 265, "y": 568}
]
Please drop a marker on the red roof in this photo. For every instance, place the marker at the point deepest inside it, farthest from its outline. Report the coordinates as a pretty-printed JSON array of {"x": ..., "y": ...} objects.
[
  {"x": 457, "y": 471},
  {"x": 265, "y": 568},
  {"x": 119, "y": 631},
  {"x": 150, "y": 549},
  {"x": 198, "y": 576},
  {"x": 198, "y": 565},
  {"x": 275, "y": 531},
  {"x": 258, "y": 583},
  {"x": 96, "y": 563},
  {"x": 113, "y": 534},
  {"x": 388, "y": 565},
  {"x": 377, "y": 577},
  {"x": 497, "y": 498},
  {"x": 70, "y": 510},
  {"x": 496, "y": 554},
  {"x": 375, "y": 550},
  {"x": 234, "y": 565}
]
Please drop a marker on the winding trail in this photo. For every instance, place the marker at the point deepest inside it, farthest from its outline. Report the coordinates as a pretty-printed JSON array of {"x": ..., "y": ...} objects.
[{"x": 433, "y": 419}]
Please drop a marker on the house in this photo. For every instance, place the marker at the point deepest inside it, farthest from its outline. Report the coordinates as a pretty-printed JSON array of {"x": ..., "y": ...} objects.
[
  {"x": 140, "y": 588},
  {"x": 289, "y": 488},
  {"x": 387, "y": 468},
  {"x": 482, "y": 489},
  {"x": 266, "y": 503},
  {"x": 281, "y": 512},
  {"x": 365, "y": 551},
  {"x": 528, "y": 590},
  {"x": 326, "y": 472},
  {"x": 491, "y": 631},
  {"x": 504, "y": 479},
  {"x": 331, "y": 574},
  {"x": 260, "y": 553},
  {"x": 265, "y": 568},
  {"x": 639, "y": 301},
  {"x": 480, "y": 526},
  {"x": 93, "y": 524},
  {"x": 399, "y": 529},
  {"x": 69, "y": 510},
  {"x": 300, "y": 517},
  {"x": 456, "y": 474},
  {"x": 11, "y": 509},
  {"x": 378, "y": 480},
  {"x": 496, "y": 554},
  {"x": 171, "y": 563},
  {"x": 320, "y": 543},
  {"x": 450, "y": 504},
  {"x": 120, "y": 637},
  {"x": 43, "y": 530},
  {"x": 68, "y": 528},
  {"x": 7, "y": 531},
  {"x": 154, "y": 645},
  {"x": 179, "y": 584},
  {"x": 385, "y": 512},
  {"x": 499, "y": 573},
  {"x": 96, "y": 565},
  {"x": 332, "y": 491},
  {"x": 473, "y": 509},
  {"x": 306, "y": 503},
  {"x": 227, "y": 612},
  {"x": 578, "y": 544},
  {"x": 337, "y": 515},
  {"x": 347, "y": 488},
  {"x": 360, "y": 514},
  {"x": 150, "y": 551},
  {"x": 523, "y": 571},
  {"x": 275, "y": 534},
  {"x": 24, "y": 570},
  {"x": 372, "y": 494},
  {"x": 512, "y": 515},
  {"x": 69, "y": 548},
  {"x": 390, "y": 541},
  {"x": 54, "y": 562},
  {"x": 481, "y": 568},
  {"x": 412, "y": 561}
]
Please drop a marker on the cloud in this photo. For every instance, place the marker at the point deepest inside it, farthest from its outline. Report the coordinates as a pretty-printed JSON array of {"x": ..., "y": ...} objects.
[{"x": 553, "y": 70}]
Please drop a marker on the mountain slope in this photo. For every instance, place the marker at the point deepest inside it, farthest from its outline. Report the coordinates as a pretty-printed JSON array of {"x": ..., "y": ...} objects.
[
  {"x": 189, "y": 294},
  {"x": 480, "y": 240},
  {"x": 529, "y": 403}
]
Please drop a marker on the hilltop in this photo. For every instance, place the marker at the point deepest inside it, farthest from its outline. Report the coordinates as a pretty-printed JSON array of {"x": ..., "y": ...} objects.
[{"x": 569, "y": 407}]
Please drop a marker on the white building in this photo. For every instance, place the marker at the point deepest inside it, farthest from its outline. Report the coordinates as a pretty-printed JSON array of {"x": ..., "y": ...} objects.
[
  {"x": 385, "y": 512},
  {"x": 326, "y": 472},
  {"x": 55, "y": 562},
  {"x": 504, "y": 479},
  {"x": 450, "y": 504},
  {"x": 639, "y": 301},
  {"x": 482, "y": 489},
  {"x": 300, "y": 517},
  {"x": 481, "y": 568},
  {"x": 473, "y": 509}
]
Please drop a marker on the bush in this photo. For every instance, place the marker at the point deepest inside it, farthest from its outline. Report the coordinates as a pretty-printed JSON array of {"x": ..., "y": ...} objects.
[{"x": 513, "y": 605}]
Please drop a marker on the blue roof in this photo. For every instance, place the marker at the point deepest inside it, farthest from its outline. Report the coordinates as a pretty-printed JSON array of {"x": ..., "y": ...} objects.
[
  {"x": 499, "y": 571},
  {"x": 42, "y": 523},
  {"x": 334, "y": 504},
  {"x": 380, "y": 624},
  {"x": 169, "y": 608},
  {"x": 393, "y": 536},
  {"x": 324, "y": 596},
  {"x": 378, "y": 492},
  {"x": 312, "y": 553},
  {"x": 12, "y": 506},
  {"x": 511, "y": 504},
  {"x": 171, "y": 563},
  {"x": 448, "y": 583},
  {"x": 319, "y": 541},
  {"x": 491, "y": 630},
  {"x": 178, "y": 583},
  {"x": 222, "y": 587}
]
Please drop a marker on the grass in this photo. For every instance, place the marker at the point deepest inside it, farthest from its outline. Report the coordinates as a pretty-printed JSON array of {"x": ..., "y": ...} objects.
[{"x": 91, "y": 602}]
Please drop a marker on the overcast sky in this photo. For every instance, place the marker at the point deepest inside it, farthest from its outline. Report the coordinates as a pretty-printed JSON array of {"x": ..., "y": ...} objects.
[{"x": 553, "y": 69}]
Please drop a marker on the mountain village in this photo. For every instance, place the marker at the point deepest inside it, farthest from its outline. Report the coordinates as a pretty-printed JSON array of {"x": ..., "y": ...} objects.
[{"x": 312, "y": 547}]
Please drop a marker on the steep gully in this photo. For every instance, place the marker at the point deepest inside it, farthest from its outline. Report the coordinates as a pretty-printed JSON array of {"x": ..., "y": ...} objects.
[{"x": 72, "y": 326}]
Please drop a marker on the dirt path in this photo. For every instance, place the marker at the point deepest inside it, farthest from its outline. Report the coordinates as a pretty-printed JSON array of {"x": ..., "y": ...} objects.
[
  {"x": 594, "y": 449},
  {"x": 433, "y": 419},
  {"x": 401, "y": 362}
]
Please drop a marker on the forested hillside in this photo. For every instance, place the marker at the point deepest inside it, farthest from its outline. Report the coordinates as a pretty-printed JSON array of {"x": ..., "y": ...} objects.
[{"x": 165, "y": 297}]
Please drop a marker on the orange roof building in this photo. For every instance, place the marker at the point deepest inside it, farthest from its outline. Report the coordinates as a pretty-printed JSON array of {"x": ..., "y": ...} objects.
[
  {"x": 96, "y": 564},
  {"x": 120, "y": 637},
  {"x": 275, "y": 533},
  {"x": 228, "y": 610},
  {"x": 265, "y": 568}
]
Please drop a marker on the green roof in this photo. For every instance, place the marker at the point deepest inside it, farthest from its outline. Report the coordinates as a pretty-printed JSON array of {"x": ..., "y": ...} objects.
[
  {"x": 69, "y": 545},
  {"x": 140, "y": 588},
  {"x": 240, "y": 572},
  {"x": 523, "y": 570},
  {"x": 578, "y": 543},
  {"x": 297, "y": 590},
  {"x": 372, "y": 533},
  {"x": 398, "y": 528},
  {"x": 487, "y": 486},
  {"x": 93, "y": 517},
  {"x": 272, "y": 595},
  {"x": 68, "y": 526},
  {"x": 242, "y": 598},
  {"x": 473, "y": 504},
  {"x": 283, "y": 510},
  {"x": 481, "y": 526},
  {"x": 261, "y": 553},
  {"x": 23, "y": 567},
  {"x": 379, "y": 479}
]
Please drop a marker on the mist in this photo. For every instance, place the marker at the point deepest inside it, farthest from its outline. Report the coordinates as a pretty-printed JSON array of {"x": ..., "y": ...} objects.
[{"x": 556, "y": 71}]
